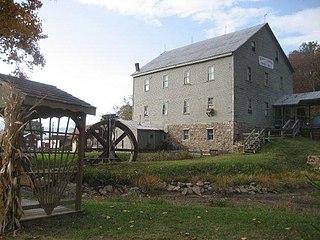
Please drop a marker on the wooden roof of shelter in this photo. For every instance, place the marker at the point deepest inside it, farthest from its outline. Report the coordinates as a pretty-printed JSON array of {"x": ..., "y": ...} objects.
[
  {"x": 45, "y": 95},
  {"x": 298, "y": 99}
]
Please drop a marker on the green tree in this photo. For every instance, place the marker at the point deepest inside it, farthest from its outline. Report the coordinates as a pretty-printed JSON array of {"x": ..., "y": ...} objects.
[
  {"x": 125, "y": 111},
  {"x": 306, "y": 63},
  {"x": 20, "y": 32}
]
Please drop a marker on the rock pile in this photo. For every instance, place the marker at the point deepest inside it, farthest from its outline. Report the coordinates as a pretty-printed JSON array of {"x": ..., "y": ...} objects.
[
  {"x": 252, "y": 188},
  {"x": 197, "y": 188}
]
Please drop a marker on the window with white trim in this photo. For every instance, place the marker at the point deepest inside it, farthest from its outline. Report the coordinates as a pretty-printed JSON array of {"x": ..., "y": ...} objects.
[
  {"x": 185, "y": 135},
  {"x": 253, "y": 46},
  {"x": 186, "y": 77},
  {"x": 211, "y": 73},
  {"x": 165, "y": 108},
  {"x": 165, "y": 81},
  {"x": 266, "y": 109},
  {"x": 210, "y": 134},
  {"x": 186, "y": 106},
  {"x": 266, "y": 79},
  {"x": 145, "y": 111},
  {"x": 249, "y": 74},
  {"x": 146, "y": 85},
  {"x": 210, "y": 103}
]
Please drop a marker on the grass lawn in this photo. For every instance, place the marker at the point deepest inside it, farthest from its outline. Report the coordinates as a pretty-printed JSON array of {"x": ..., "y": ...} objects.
[
  {"x": 280, "y": 163},
  {"x": 158, "y": 220}
]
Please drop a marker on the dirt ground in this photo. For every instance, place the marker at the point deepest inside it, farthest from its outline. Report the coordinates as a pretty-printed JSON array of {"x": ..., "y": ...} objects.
[{"x": 304, "y": 200}]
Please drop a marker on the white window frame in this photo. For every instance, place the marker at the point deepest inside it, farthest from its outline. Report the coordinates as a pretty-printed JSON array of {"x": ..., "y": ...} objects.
[
  {"x": 186, "y": 77},
  {"x": 146, "y": 85},
  {"x": 185, "y": 134},
  {"x": 210, "y": 104},
  {"x": 249, "y": 74},
  {"x": 165, "y": 108},
  {"x": 266, "y": 79},
  {"x": 146, "y": 111},
  {"x": 210, "y": 134},
  {"x": 281, "y": 82},
  {"x": 165, "y": 81},
  {"x": 211, "y": 73},
  {"x": 266, "y": 109},
  {"x": 253, "y": 46},
  {"x": 186, "y": 106}
]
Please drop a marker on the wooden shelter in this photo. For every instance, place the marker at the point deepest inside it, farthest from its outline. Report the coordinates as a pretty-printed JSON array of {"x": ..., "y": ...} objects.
[
  {"x": 50, "y": 166},
  {"x": 299, "y": 107}
]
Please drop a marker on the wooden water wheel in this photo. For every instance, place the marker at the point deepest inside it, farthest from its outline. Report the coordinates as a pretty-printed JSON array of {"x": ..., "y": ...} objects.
[{"x": 111, "y": 138}]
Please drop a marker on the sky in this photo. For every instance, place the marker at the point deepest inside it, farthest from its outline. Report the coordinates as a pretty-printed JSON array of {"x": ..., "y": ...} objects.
[{"x": 92, "y": 45}]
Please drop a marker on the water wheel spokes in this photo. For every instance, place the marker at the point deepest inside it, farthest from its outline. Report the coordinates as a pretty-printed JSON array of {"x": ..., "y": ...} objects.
[{"x": 111, "y": 139}]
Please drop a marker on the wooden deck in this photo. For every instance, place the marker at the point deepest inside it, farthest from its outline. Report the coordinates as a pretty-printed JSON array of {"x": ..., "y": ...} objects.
[{"x": 38, "y": 213}]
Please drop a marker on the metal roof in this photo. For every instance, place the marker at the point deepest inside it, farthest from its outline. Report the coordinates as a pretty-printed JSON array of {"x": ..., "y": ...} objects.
[
  {"x": 51, "y": 96},
  {"x": 139, "y": 126},
  {"x": 298, "y": 99},
  {"x": 201, "y": 51}
]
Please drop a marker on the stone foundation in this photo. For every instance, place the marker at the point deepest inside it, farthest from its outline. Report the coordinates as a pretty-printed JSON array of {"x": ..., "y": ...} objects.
[{"x": 223, "y": 136}]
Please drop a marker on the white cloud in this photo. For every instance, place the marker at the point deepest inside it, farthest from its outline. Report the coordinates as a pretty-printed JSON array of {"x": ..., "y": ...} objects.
[
  {"x": 224, "y": 15},
  {"x": 293, "y": 29}
]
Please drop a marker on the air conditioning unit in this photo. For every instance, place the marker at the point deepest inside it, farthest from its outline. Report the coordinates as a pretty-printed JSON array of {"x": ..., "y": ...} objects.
[{"x": 210, "y": 112}]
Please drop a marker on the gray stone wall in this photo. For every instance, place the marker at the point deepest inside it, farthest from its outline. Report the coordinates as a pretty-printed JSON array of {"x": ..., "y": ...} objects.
[{"x": 222, "y": 136}]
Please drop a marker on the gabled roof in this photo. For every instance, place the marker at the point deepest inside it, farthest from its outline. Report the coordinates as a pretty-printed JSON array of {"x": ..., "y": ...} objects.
[
  {"x": 201, "y": 51},
  {"x": 50, "y": 96},
  {"x": 139, "y": 126},
  {"x": 298, "y": 99}
]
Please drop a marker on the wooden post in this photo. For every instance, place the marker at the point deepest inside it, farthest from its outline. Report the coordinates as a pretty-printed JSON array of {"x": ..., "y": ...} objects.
[{"x": 81, "y": 123}]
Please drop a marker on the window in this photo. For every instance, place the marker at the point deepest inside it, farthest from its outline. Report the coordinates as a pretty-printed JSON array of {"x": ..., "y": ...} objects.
[
  {"x": 185, "y": 134},
  {"x": 210, "y": 134},
  {"x": 266, "y": 109},
  {"x": 146, "y": 85},
  {"x": 145, "y": 111},
  {"x": 266, "y": 79},
  {"x": 186, "y": 77},
  {"x": 210, "y": 103},
  {"x": 281, "y": 82},
  {"x": 165, "y": 81},
  {"x": 277, "y": 56},
  {"x": 253, "y": 46},
  {"x": 249, "y": 106},
  {"x": 186, "y": 108},
  {"x": 211, "y": 73},
  {"x": 249, "y": 74},
  {"x": 165, "y": 108}
]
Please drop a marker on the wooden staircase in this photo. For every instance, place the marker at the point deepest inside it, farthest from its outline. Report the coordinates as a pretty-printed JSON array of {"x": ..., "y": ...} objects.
[{"x": 254, "y": 141}]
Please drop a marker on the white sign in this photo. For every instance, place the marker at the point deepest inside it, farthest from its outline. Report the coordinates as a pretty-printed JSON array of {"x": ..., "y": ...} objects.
[{"x": 266, "y": 62}]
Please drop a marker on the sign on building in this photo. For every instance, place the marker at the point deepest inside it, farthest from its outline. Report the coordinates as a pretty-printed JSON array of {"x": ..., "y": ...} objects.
[{"x": 266, "y": 62}]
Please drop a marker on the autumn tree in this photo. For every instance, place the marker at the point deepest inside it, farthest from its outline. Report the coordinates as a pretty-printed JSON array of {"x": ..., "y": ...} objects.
[
  {"x": 20, "y": 32},
  {"x": 306, "y": 63},
  {"x": 125, "y": 111}
]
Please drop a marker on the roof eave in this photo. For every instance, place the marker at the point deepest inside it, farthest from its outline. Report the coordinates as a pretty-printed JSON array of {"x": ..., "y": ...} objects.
[{"x": 139, "y": 74}]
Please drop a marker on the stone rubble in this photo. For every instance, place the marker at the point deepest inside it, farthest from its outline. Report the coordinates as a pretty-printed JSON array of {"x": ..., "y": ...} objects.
[{"x": 198, "y": 188}]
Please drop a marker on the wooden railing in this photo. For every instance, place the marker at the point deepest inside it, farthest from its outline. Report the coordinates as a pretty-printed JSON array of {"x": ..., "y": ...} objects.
[{"x": 254, "y": 141}]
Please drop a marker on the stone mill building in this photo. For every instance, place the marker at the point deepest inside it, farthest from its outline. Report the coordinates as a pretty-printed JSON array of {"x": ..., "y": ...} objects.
[{"x": 204, "y": 95}]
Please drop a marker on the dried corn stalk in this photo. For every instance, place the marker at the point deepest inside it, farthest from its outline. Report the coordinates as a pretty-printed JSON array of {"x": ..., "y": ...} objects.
[{"x": 14, "y": 115}]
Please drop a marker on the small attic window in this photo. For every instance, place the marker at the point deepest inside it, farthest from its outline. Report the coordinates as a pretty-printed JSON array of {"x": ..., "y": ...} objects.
[
  {"x": 253, "y": 46},
  {"x": 277, "y": 56}
]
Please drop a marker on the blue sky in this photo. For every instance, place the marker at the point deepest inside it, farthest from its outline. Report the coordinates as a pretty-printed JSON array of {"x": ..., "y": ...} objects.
[{"x": 92, "y": 45}]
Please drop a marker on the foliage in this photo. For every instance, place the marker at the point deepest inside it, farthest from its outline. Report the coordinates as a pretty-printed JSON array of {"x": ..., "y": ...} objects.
[
  {"x": 164, "y": 156},
  {"x": 14, "y": 115},
  {"x": 20, "y": 31},
  {"x": 159, "y": 220},
  {"x": 125, "y": 111},
  {"x": 306, "y": 63},
  {"x": 280, "y": 162}
]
